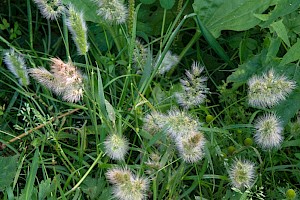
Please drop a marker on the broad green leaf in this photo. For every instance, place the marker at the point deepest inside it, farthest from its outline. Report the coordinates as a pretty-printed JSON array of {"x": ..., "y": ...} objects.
[
  {"x": 45, "y": 188},
  {"x": 281, "y": 31},
  {"x": 147, "y": 1},
  {"x": 167, "y": 4},
  {"x": 88, "y": 7},
  {"x": 8, "y": 166},
  {"x": 237, "y": 15},
  {"x": 93, "y": 187},
  {"x": 246, "y": 70},
  {"x": 282, "y": 8},
  {"x": 273, "y": 48},
  {"x": 292, "y": 54}
]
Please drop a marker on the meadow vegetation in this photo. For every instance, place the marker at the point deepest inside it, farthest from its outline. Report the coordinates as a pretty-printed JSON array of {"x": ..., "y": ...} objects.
[{"x": 149, "y": 99}]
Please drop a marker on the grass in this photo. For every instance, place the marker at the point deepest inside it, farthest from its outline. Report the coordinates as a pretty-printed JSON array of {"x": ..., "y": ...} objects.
[{"x": 55, "y": 149}]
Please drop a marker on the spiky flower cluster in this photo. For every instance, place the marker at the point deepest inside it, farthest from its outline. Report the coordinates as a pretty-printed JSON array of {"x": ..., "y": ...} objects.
[
  {"x": 78, "y": 29},
  {"x": 16, "y": 65},
  {"x": 112, "y": 11},
  {"x": 168, "y": 62},
  {"x": 64, "y": 79},
  {"x": 139, "y": 55},
  {"x": 153, "y": 163},
  {"x": 126, "y": 185},
  {"x": 242, "y": 174},
  {"x": 183, "y": 130},
  {"x": 191, "y": 147},
  {"x": 194, "y": 88},
  {"x": 50, "y": 9},
  {"x": 269, "y": 89},
  {"x": 268, "y": 131},
  {"x": 116, "y": 146},
  {"x": 154, "y": 122}
]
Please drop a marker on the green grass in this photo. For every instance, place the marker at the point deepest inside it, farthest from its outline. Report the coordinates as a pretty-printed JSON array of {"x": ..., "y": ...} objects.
[{"x": 53, "y": 149}]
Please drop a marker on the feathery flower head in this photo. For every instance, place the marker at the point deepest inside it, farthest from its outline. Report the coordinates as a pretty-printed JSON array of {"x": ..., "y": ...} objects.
[
  {"x": 194, "y": 88},
  {"x": 168, "y": 62},
  {"x": 44, "y": 77},
  {"x": 113, "y": 11},
  {"x": 78, "y": 29},
  {"x": 69, "y": 79},
  {"x": 268, "y": 131},
  {"x": 64, "y": 80},
  {"x": 154, "y": 122},
  {"x": 190, "y": 147},
  {"x": 50, "y": 9},
  {"x": 119, "y": 176},
  {"x": 127, "y": 186},
  {"x": 116, "y": 146},
  {"x": 180, "y": 124},
  {"x": 269, "y": 89},
  {"x": 16, "y": 65},
  {"x": 242, "y": 174}
]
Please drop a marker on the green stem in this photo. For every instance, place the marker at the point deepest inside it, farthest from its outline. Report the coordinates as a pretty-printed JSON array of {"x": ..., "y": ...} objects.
[
  {"x": 194, "y": 39},
  {"x": 29, "y": 24},
  {"x": 84, "y": 176}
]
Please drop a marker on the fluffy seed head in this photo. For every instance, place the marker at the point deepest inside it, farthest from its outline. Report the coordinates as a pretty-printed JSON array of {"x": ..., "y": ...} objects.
[
  {"x": 16, "y": 65},
  {"x": 64, "y": 79},
  {"x": 154, "y": 122},
  {"x": 116, "y": 146},
  {"x": 112, "y": 11},
  {"x": 190, "y": 147},
  {"x": 119, "y": 176},
  {"x": 242, "y": 174},
  {"x": 194, "y": 88},
  {"x": 50, "y": 9},
  {"x": 269, "y": 89},
  {"x": 268, "y": 131},
  {"x": 127, "y": 186},
  {"x": 44, "y": 77},
  {"x": 78, "y": 29},
  {"x": 168, "y": 62},
  {"x": 180, "y": 124}
]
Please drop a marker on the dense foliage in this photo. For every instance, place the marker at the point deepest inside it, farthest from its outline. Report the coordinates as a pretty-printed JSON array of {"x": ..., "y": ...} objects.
[{"x": 149, "y": 99}]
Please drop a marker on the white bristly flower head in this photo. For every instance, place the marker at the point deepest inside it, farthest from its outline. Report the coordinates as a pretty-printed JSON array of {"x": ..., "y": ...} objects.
[
  {"x": 69, "y": 78},
  {"x": 268, "y": 131},
  {"x": 64, "y": 79},
  {"x": 179, "y": 124},
  {"x": 194, "y": 88},
  {"x": 112, "y": 11},
  {"x": 154, "y": 122},
  {"x": 50, "y": 9},
  {"x": 44, "y": 77},
  {"x": 116, "y": 146},
  {"x": 191, "y": 147},
  {"x": 269, "y": 89},
  {"x": 127, "y": 186},
  {"x": 242, "y": 174},
  {"x": 168, "y": 62},
  {"x": 78, "y": 29},
  {"x": 16, "y": 65}
]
